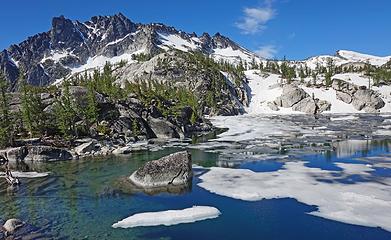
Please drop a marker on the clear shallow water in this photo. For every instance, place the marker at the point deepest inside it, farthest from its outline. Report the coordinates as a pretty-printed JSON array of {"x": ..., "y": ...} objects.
[{"x": 81, "y": 200}]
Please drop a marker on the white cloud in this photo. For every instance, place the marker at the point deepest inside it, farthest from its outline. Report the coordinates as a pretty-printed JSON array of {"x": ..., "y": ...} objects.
[
  {"x": 255, "y": 19},
  {"x": 267, "y": 51}
]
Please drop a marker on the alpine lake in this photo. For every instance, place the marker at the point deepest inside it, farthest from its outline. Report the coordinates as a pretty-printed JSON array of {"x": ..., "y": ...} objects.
[{"x": 322, "y": 158}]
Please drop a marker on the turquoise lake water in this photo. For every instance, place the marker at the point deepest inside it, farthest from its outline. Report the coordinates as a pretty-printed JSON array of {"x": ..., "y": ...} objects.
[{"x": 82, "y": 199}]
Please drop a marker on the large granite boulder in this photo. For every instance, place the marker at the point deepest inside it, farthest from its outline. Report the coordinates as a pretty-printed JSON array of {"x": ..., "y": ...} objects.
[
  {"x": 299, "y": 100},
  {"x": 87, "y": 148},
  {"x": 171, "y": 170},
  {"x": 290, "y": 96},
  {"x": 367, "y": 100},
  {"x": 307, "y": 105},
  {"x": 359, "y": 96},
  {"x": 323, "y": 106},
  {"x": 164, "y": 129},
  {"x": 42, "y": 153}
]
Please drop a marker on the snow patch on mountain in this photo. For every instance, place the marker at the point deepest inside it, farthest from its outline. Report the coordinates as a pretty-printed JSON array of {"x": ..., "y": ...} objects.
[
  {"x": 234, "y": 56},
  {"x": 177, "y": 42},
  {"x": 99, "y": 61},
  {"x": 360, "y": 57},
  {"x": 56, "y": 56}
]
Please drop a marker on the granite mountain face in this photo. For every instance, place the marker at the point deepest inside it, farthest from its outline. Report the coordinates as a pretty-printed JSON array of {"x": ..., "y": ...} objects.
[{"x": 72, "y": 46}]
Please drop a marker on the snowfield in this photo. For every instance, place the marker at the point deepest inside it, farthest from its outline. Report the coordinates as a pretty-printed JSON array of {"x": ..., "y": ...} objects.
[
  {"x": 360, "y": 57},
  {"x": 175, "y": 41},
  {"x": 344, "y": 57},
  {"x": 266, "y": 88},
  {"x": 170, "y": 217}
]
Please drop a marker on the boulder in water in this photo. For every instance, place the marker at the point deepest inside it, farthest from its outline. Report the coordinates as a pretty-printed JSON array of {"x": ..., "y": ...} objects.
[{"x": 172, "y": 170}]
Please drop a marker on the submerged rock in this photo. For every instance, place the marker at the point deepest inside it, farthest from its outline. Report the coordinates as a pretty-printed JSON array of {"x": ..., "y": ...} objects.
[
  {"x": 171, "y": 170},
  {"x": 17, "y": 229}
]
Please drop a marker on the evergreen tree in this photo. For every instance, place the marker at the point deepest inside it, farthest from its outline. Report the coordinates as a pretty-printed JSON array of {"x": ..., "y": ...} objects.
[
  {"x": 32, "y": 112},
  {"x": 368, "y": 72},
  {"x": 65, "y": 112},
  {"x": 329, "y": 72},
  {"x": 5, "y": 118}
]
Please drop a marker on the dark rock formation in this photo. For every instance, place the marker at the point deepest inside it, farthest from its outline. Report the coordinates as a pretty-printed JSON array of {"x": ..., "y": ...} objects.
[{"x": 172, "y": 170}]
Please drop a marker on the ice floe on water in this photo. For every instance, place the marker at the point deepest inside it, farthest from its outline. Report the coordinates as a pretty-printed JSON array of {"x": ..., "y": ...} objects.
[
  {"x": 28, "y": 174},
  {"x": 365, "y": 203},
  {"x": 344, "y": 118},
  {"x": 245, "y": 127},
  {"x": 170, "y": 217}
]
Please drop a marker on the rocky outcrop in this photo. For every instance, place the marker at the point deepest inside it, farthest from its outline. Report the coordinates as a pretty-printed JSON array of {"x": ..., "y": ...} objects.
[
  {"x": 359, "y": 96},
  {"x": 164, "y": 129},
  {"x": 42, "y": 153},
  {"x": 367, "y": 100},
  {"x": 323, "y": 106},
  {"x": 16, "y": 154},
  {"x": 87, "y": 148},
  {"x": 291, "y": 95},
  {"x": 36, "y": 153},
  {"x": 299, "y": 100},
  {"x": 306, "y": 105},
  {"x": 172, "y": 170}
]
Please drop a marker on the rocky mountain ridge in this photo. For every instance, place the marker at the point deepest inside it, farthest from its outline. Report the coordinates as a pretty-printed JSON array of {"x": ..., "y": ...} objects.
[{"x": 72, "y": 46}]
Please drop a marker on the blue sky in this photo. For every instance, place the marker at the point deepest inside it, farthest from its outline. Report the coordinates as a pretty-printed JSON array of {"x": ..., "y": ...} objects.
[{"x": 296, "y": 29}]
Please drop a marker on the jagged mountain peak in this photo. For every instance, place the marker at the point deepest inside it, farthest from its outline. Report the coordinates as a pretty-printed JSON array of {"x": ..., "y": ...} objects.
[{"x": 72, "y": 46}]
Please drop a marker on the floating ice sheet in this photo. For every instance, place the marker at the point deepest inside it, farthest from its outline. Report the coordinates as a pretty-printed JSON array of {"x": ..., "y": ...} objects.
[
  {"x": 365, "y": 203},
  {"x": 28, "y": 174},
  {"x": 170, "y": 217}
]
